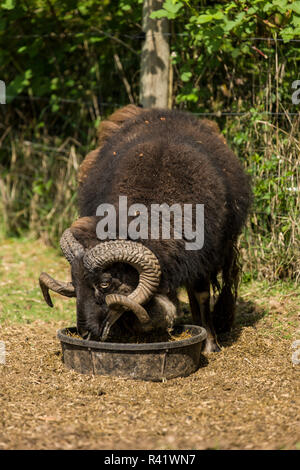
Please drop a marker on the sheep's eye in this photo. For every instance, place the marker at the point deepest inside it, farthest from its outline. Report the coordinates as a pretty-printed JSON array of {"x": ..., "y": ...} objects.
[{"x": 104, "y": 285}]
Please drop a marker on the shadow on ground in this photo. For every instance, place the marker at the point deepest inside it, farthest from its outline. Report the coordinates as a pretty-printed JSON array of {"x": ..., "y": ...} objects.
[{"x": 248, "y": 313}]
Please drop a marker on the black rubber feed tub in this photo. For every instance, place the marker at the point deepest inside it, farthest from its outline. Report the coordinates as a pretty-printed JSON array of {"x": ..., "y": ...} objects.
[{"x": 143, "y": 361}]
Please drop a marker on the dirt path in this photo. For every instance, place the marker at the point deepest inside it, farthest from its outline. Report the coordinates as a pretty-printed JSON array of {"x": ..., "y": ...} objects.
[{"x": 245, "y": 397}]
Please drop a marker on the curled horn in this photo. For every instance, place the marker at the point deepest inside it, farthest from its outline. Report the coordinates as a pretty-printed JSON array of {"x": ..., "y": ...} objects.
[
  {"x": 138, "y": 256},
  {"x": 63, "y": 288},
  {"x": 133, "y": 253},
  {"x": 70, "y": 247}
]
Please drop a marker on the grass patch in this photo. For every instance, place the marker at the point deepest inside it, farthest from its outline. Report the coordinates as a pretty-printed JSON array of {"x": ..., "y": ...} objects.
[
  {"x": 277, "y": 304},
  {"x": 21, "y": 262}
]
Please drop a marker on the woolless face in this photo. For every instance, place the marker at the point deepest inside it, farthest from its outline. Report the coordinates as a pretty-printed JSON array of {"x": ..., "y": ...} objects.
[{"x": 91, "y": 291}]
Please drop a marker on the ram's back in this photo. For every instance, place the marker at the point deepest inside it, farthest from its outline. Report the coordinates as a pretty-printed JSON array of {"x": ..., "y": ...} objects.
[{"x": 160, "y": 156}]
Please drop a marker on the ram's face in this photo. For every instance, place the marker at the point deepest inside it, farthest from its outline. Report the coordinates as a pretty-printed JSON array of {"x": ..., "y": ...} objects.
[
  {"x": 92, "y": 290},
  {"x": 91, "y": 308},
  {"x": 108, "y": 280}
]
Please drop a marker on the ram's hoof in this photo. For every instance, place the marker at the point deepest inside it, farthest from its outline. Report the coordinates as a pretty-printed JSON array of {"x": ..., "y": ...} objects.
[{"x": 211, "y": 346}]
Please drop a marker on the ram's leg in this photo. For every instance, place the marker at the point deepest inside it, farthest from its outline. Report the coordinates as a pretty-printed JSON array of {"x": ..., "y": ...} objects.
[{"x": 199, "y": 297}]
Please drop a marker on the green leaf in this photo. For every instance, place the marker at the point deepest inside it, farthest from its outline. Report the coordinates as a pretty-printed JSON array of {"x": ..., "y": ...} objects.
[
  {"x": 185, "y": 76},
  {"x": 22, "y": 49},
  {"x": 159, "y": 14},
  {"x": 54, "y": 84},
  {"x": 83, "y": 9},
  {"x": 282, "y": 5},
  {"x": 8, "y": 4},
  {"x": 219, "y": 15},
  {"x": 94, "y": 39},
  {"x": 267, "y": 7},
  {"x": 55, "y": 107},
  {"x": 192, "y": 97},
  {"x": 126, "y": 7},
  {"x": 288, "y": 33},
  {"x": 171, "y": 7},
  {"x": 170, "y": 10},
  {"x": 295, "y": 7},
  {"x": 204, "y": 19},
  {"x": 296, "y": 20}
]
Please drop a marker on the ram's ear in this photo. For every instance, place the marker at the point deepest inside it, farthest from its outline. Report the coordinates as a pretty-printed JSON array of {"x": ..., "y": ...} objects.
[{"x": 84, "y": 230}]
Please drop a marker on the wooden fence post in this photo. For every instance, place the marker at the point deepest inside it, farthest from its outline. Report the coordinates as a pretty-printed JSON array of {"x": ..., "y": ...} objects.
[{"x": 155, "y": 60}]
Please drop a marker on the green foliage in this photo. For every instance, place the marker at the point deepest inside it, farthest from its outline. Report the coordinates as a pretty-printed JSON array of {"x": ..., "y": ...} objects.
[
  {"x": 219, "y": 40},
  {"x": 270, "y": 244},
  {"x": 57, "y": 60},
  {"x": 232, "y": 61},
  {"x": 170, "y": 10},
  {"x": 223, "y": 20},
  {"x": 63, "y": 50}
]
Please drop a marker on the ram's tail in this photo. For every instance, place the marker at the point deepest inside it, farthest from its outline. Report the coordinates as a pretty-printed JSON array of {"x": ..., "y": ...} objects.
[{"x": 224, "y": 309}]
